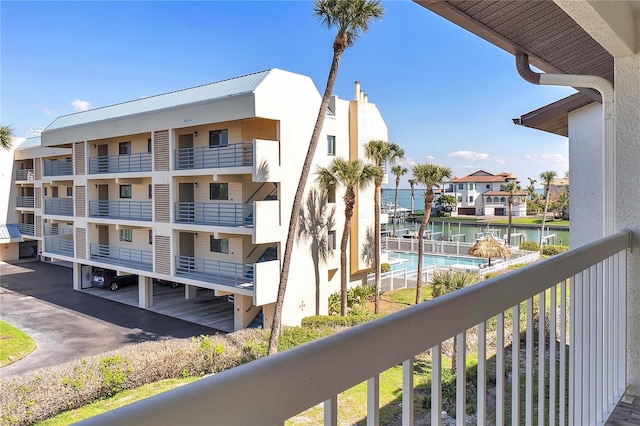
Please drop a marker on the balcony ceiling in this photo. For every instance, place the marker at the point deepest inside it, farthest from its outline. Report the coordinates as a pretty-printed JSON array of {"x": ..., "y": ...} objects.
[{"x": 541, "y": 29}]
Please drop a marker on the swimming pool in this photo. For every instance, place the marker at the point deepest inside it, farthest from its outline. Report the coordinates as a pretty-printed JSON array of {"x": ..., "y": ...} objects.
[{"x": 399, "y": 260}]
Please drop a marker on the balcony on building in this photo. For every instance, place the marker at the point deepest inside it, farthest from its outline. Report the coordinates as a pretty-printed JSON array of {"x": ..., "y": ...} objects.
[
  {"x": 119, "y": 209},
  {"x": 25, "y": 175},
  {"x": 121, "y": 198},
  {"x": 58, "y": 167},
  {"x": 129, "y": 154},
  {"x": 58, "y": 238},
  {"x": 124, "y": 246},
  {"x": 26, "y": 228},
  {"x": 221, "y": 263},
  {"x": 25, "y": 201},
  {"x": 58, "y": 206}
]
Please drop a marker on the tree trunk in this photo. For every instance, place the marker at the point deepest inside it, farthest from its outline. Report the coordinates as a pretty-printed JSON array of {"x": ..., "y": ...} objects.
[
  {"x": 509, "y": 227},
  {"x": 395, "y": 207},
  {"x": 544, "y": 215},
  {"x": 428, "y": 198},
  {"x": 376, "y": 254},
  {"x": 454, "y": 354},
  {"x": 276, "y": 324},
  {"x": 349, "y": 200},
  {"x": 316, "y": 270}
]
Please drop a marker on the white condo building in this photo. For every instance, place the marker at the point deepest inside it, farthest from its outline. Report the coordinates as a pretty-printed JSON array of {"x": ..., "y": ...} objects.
[{"x": 193, "y": 186}]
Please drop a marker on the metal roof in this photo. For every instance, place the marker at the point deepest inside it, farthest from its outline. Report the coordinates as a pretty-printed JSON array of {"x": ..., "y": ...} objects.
[
  {"x": 207, "y": 92},
  {"x": 10, "y": 234},
  {"x": 29, "y": 143},
  {"x": 541, "y": 29}
]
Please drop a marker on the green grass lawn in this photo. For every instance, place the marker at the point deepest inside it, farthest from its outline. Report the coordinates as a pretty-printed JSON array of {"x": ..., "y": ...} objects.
[
  {"x": 15, "y": 344},
  {"x": 531, "y": 221}
]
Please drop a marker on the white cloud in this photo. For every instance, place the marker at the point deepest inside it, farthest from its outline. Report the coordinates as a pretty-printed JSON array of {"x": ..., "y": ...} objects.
[
  {"x": 34, "y": 131},
  {"x": 547, "y": 158},
  {"x": 79, "y": 105},
  {"x": 47, "y": 111},
  {"x": 429, "y": 157},
  {"x": 470, "y": 155}
]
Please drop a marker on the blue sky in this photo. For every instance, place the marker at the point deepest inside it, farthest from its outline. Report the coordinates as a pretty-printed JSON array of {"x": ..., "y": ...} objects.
[{"x": 446, "y": 95}]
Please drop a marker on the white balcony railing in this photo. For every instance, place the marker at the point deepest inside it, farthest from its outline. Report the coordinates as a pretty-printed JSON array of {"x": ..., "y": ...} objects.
[
  {"x": 586, "y": 340},
  {"x": 25, "y": 174}
]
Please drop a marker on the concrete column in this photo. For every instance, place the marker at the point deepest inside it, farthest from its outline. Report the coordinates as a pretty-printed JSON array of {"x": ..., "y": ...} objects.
[
  {"x": 77, "y": 276},
  {"x": 190, "y": 291},
  {"x": 145, "y": 292},
  {"x": 627, "y": 213},
  {"x": 243, "y": 311}
]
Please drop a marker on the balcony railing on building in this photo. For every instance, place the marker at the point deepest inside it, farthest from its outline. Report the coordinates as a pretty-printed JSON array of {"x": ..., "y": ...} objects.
[
  {"x": 211, "y": 213},
  {"x": 59, "y": 245},
  {"x": 25, "y": 174},
  {"x": 58, "y": 206},
  {"x": 120, "y": 163},
  {"x": 26, "y": 228},
  {"x": 115, "y": 209},
  {"x": 215, "y": 271},
  {"x": 25, "y": 201},
  {"x": 121, "y": 256},
  {"x": 203, "y": 157},
  {"x": 569, "y": 355},
  {"x": 58, "y": 167}
]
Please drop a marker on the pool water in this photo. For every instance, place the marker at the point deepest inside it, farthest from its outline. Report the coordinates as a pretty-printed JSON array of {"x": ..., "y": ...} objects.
[{"x": 399, "y": 260}]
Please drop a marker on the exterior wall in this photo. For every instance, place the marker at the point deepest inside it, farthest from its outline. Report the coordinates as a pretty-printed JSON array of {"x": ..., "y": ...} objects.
[
  {"x": 627, "y": 101},
  {"x": 585, "y": 167}
]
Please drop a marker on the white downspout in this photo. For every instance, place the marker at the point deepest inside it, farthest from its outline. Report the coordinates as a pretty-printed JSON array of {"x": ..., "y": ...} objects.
[{"x": 605, "y": 88}]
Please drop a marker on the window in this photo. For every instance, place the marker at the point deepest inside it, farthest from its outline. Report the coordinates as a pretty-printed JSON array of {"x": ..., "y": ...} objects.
[
  {"x": 459, "y": 198},
  {"x": 218, "y": 191},
  {"x": 488, "y": 186},
  {"x": 331, "y": 240},
  {"x": 331, "y": 145},
  {"x": 331, "y": 195},
  {"x": 150, "y": 191},
  {"x": 220, "y": 245},
  {"x": 124, "y": 148},
  {"x": 149, "y": 145},
  {"x": 503, "y": 200},
  {"x": 126, "y": 235},
  {"x": 150, "y": 236},
  {"x": 125, "y": 191},
  {"x": 461, "y": 186},
  {"x": 219, "y": 137},
  {"x": 69, "y": 191},
  {"x": 54, "y": 191},
  {"x": 45, "y": 191},
  {"x": 471, "y": 187},
  {"x": 471, "y": 198}
]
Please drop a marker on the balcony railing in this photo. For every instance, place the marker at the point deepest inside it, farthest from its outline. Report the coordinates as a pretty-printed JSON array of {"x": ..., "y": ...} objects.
[
  {"x": 219, "y": 214},
  {"x": 58, "y": 206},
  {"x": 58, "y": 167},
  {"x": 215, "y": 271},
  {"x": 128, "y": 210},
  {"x": 56, "y": 245},
  {"x": 204, "y": 157},
  {"x": 27, "y": 228},
  {"x": 25, "y": 201},
  {"x": 585, "y": 340},
  {"x": 120, "y": 163},
  {"x": 126, "y": 257},
  {"x": 25, "y": 174}
]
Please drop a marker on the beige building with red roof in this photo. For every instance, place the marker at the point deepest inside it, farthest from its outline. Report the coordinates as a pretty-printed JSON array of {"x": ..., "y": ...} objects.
[{"x": 482, "y": 194}]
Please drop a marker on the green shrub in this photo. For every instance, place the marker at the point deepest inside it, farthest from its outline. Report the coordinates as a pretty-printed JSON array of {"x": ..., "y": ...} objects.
[
  {"x": 489, "y": 275},
  {"x": 356, "y": 298},
  {"x": 334, "y": 321},
  {"x": 296, "y": 336},
  {"x": 549, "y": 250},
  {"x": 529, "y": 246},
  {"x": 385, "y": 267}
]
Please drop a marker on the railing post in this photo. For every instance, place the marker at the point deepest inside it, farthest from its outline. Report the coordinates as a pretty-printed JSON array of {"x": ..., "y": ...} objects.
[
  {"x": 373, "y": 401},
  {"x": 407, "y": 392},
  {"x": 331, "y": 411},
  {"x": 482, "y": 379}
]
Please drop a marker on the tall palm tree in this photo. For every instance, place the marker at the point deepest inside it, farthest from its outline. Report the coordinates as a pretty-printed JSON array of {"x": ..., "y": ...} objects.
[
  {"x": 380, "y": 153},
  {"x": 316, "y": 221},
  {"x": 511, "y": 188},
  {"x": 430, "y": 175},
  {"x": 398, "y": 171},
  {"x": 6, "y": 134},
  {"x": 352, "y": 18},
  {"x": 546, "y": 176},
  {"x": 352, "y": 174},
  {"x": 412, "y": 184}
]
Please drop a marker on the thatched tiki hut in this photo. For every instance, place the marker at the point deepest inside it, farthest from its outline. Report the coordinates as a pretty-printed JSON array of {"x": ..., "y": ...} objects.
[{"x": 489, "y": 247}]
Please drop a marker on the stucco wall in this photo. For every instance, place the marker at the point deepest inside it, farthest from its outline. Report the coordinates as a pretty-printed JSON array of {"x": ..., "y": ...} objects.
[{"x": 585, "y": 168}]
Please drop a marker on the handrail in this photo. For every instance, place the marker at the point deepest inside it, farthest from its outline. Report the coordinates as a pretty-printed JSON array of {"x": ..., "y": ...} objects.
[
  {"x": 315, "y": 372},
  {"x": 250, "y": 199},
  {"x": 120, "y": 163}
]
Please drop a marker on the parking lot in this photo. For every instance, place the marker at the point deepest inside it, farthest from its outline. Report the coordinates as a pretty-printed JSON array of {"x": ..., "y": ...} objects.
[{"x": 66, "y": 324}]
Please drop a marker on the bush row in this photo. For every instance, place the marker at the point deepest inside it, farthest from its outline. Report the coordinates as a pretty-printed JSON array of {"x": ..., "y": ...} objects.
[
  {"x": 548, "y": 250},
  {"x": 334, "y": 321}
]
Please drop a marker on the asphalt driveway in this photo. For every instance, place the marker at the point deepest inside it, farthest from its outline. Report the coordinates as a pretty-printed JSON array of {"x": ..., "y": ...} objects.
[{"x": 38, "y": 298}]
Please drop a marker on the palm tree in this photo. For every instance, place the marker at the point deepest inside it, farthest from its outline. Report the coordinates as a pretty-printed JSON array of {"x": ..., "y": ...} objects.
[
  {"x": 546, "y": 176},
  {"x": 444, "y": 282},
  {"x": 6, "y": 134},
  {"x": 352, "y": 174},
  {"x": 511, "y": 188},
  {"x": 430, "y": 175},
  {"x": 380, "y": 153},
  {"x": 531, "y": 189},
  {"x": 446, "y": 200},
  {"x": 412, "y": 184},
  {"x": 352, "y": 18},
  {"x": 315, "y": 224},
  {"x": 397, "y": 171}
]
